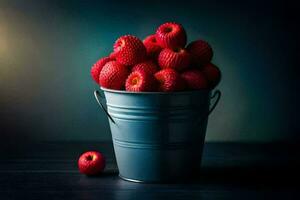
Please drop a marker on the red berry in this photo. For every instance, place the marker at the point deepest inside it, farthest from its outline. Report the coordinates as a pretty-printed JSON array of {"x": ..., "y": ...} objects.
[
  {"x": 97, "y": 67},
  {"x": 140, "y": 81},
  {"x": 171, "y": 35},
  {"x": 200, "y": 51},
  {"x": 169, "y": 80},
  {"x": 113, "y": 75},
  {"x": 113, "y": 56},
  {"x": 178, "y": 59},
  {"x": 129, "y": 50},
  {"x": 212, "y": 74},
  {"x": 91, "y": 163},
  {"x": 181, "y": 84},
  {"x": 153, "y": 48},
  {"x": 147, "y": 66},
  {"x": 194, "y": 79}
]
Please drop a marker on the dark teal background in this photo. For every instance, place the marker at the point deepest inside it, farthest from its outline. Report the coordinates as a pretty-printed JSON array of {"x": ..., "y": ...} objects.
[{"x": 48, "y": 47}]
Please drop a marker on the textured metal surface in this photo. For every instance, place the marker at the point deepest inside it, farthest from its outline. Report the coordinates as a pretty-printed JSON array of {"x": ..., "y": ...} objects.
[{"x": 158, "y": 136}]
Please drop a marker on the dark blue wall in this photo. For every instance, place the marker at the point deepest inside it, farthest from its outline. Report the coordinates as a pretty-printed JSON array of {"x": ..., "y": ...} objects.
[{"x": 47, "y": 48}]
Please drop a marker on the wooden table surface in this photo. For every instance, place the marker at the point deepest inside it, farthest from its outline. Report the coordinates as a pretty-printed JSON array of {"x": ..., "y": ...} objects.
[{"x": 229, "y": 171}]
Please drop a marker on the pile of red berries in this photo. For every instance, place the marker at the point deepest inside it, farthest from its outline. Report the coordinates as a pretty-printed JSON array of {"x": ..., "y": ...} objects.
[{"x": 159, "y": 63}]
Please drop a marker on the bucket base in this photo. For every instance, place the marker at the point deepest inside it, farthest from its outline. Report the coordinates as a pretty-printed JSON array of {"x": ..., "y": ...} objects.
[
  {"x": 142, "y": 181},
  {"x": 186, "y": 180},
  {"x": 134, "y": 180}
]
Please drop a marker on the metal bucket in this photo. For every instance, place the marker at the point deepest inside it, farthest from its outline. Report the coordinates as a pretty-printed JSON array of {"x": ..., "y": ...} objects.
[{"x": 158, "y": 137}]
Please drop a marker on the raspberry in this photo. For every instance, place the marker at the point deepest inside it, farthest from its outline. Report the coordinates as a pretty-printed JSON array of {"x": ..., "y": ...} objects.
[
  {"x": 129, "y": 50},
  {"x": 153, "y": 48},
  {"x": 194, "y": 79},
  {"x": 171, "y": 35},
  {"x": 200, "y": 51},
  {"x": 212, "y": 74},
  {"x": 113, "y": 75},
  {"x": 97, "y": 67},
  {"x": 169, "y": 80},
  {"x": 113, "y": 56},
  {"x": 147, "y": 66},
  {"x": 178, "y": 59},
  {"x": 140, "y": 81}
]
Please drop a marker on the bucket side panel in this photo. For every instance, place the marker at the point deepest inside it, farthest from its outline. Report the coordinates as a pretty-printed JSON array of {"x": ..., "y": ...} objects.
[{"x": 157, "y": 164}]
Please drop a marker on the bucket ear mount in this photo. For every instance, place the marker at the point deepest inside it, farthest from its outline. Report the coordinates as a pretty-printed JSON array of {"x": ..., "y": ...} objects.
[{"x": 98, "y": 95}]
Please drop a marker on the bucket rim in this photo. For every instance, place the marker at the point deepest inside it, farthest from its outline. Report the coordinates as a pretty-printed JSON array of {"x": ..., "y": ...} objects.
[{"x": 159, "y": 93}]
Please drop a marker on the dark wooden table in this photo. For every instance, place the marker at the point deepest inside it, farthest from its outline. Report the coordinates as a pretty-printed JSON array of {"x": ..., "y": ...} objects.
[{"x": 230, "y": 171}]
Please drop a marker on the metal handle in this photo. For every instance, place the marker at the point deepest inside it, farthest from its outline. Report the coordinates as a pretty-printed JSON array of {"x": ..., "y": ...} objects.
[
  {"x": 98, "y": 94},
  {"x": 217, "y": 94}
]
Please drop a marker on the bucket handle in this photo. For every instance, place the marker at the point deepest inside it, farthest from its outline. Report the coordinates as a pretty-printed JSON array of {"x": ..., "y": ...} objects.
[
  {"x": 97, "y": 94},
  {"x": 217, "y": 94}
]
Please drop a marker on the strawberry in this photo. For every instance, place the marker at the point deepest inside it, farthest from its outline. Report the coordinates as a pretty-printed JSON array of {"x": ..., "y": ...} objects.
[
  {"x": 194, "y": 79},
  {"x": 113, "y": 75},
  {"x": 178, "y": 59},
  {"x": 129, "y": 50},
  {"x": 212, "y": 74},
  {"x": 153, "y": 48},
  {"x": 200, "y": 51},
  {"x": 147, "y": 66},
  {"x": 171, "y": 35},
  {"x": 169, "y": 80},
  {"x": 97, "y": 67},
  {"x": 140, "y": 81}
]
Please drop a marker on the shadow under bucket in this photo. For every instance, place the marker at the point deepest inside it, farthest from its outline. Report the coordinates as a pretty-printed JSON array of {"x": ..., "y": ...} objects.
[{"x": 158, "y": 137}]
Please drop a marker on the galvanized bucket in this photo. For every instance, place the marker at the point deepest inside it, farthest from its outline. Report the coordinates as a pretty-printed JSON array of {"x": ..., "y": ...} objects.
[{"x": 158, "y": 137}]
